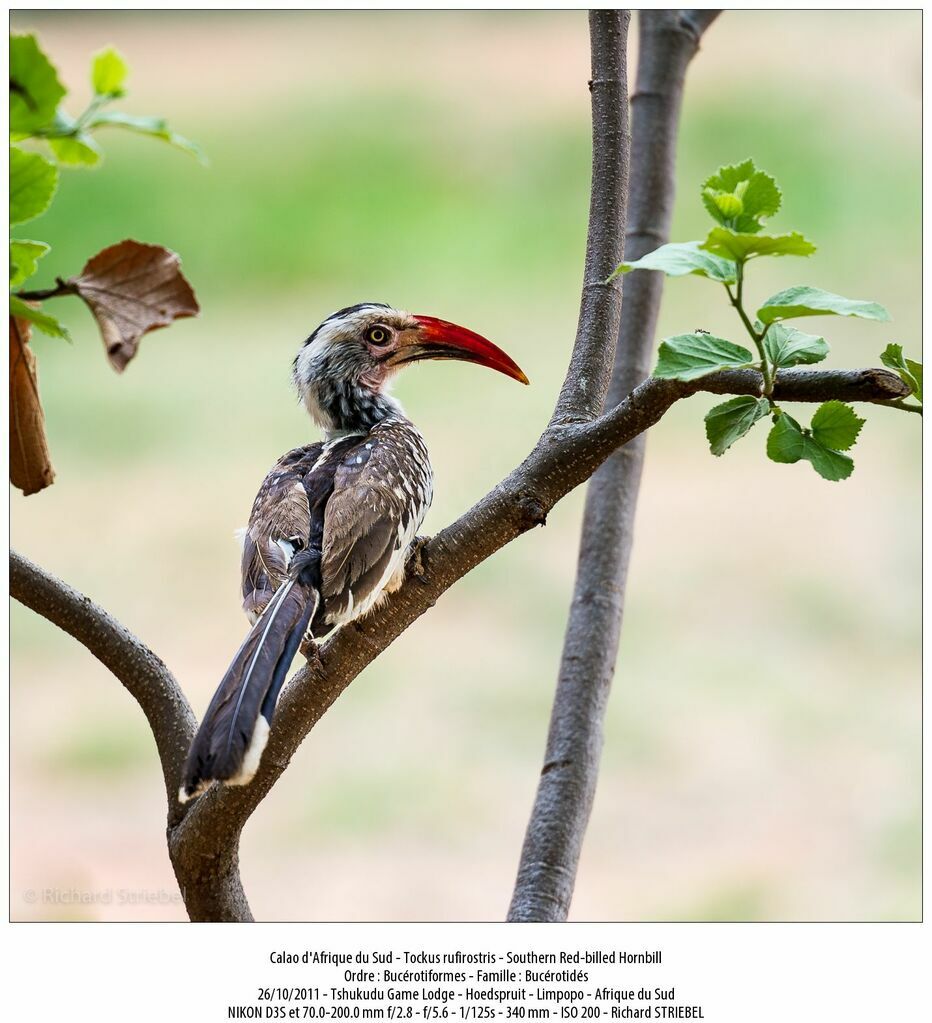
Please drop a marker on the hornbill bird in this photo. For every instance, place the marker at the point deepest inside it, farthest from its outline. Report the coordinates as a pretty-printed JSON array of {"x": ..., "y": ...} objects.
[{"x": 333, "y": 522}]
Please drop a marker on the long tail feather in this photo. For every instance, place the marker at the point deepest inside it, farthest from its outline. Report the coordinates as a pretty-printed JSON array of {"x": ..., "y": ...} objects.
[{"x": 229, "y": 743}]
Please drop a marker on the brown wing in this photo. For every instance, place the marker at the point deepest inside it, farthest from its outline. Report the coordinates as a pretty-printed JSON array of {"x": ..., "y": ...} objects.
[
  {"x": 281, "y": 511},
  {"x": 380, "y": 494}
]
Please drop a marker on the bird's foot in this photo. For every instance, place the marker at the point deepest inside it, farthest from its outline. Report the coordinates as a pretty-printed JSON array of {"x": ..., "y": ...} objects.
[
  {"x": 417, "y": 557},
  {"x": 310, "y": 650}
]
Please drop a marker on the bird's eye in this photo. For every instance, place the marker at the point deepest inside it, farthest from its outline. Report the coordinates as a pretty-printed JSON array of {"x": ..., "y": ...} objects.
[{"x": 378, "y": 336}]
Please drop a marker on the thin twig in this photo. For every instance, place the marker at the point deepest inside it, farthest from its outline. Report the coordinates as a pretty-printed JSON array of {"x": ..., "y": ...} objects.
[
  {"x": 61, "y": 288},
  {"x": 902, "y": 405}
]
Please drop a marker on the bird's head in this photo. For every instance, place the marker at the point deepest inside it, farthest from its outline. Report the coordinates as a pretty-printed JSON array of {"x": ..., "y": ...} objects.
[{"x": 342, "y": 369}]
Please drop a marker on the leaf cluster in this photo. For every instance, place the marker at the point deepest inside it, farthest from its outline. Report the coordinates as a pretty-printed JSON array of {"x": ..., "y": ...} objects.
[
  {"x": 740, "y": 199},
  {"x": 130, "y": 288},
  {"x": 38, "y": 116}
]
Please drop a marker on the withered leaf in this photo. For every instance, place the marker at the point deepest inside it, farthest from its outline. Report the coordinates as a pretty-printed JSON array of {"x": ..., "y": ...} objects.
[
  {"x": 132, "y": 288},
  {"x": 30, "y": 465}
]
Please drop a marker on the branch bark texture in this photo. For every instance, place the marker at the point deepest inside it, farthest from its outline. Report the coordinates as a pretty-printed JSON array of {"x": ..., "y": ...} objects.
[{"x": 668, "y": 40}]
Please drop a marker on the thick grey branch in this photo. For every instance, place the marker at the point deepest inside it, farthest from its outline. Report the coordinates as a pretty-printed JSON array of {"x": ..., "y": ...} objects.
[
  {"x": 668, "y": 40},
  {"x": 144, "y": 675}
]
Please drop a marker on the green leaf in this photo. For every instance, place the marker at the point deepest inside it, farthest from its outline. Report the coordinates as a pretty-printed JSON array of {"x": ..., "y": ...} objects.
[
  {"x": 33, "y": 181},
  {"x": 108, "y": 73},
  {"x": 892, "y": 357},
  {"x": 830, "y": 465},
  {"x": 47, "y": 324},
  {"x": 24, "y": 258},
  {"x": 731, "y": 420},
  {"x": 802, "y": 300},
  {"x": 786, "y": 346},
  {"x": 916, "y": 369},
  {"x": 689, "y": 356},
  {"x": 787, "y": 442},
  {"x": 75, "y": 150},
  {"x": 679, "y": 258},
  {"x": 731, "y": 245},
  {"x": 155, "y": 127},
  {"x": 35, "y": 90},
  {"x": 740, "y": 196},
  {"x": 727, "y": 203},
  {"x": 836, "y": 425}
]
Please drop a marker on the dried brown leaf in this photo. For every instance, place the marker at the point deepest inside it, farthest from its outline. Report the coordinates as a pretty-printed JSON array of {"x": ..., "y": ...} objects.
[
  {"x": 133, "y": 288},
  {"x": 30, "y": 464}
]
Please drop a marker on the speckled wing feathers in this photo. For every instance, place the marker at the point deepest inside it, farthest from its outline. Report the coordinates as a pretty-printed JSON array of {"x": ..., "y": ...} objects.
[
  {"x": 358, "y": 500},
  {"x": 382, "y": 489},
  {"x": 281, "y": 510}
]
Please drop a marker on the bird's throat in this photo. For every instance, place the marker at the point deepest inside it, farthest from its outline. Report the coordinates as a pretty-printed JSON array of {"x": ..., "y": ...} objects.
[{"x": 341, "y": 406}]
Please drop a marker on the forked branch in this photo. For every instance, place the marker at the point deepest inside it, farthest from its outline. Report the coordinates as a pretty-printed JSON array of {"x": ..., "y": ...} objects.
[{"x": 204, "y": 834}]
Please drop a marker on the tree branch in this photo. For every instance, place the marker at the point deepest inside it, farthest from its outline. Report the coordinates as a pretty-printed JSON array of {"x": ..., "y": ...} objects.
[
  {"x": 211, "y": 887},
  {"x": 668, "y": 40},
  {"x": 144, "y": 675},
  {"x": 204, "y": 835},
  {"x": 569, "y": 451},
  {"x": 564, "y": 457},
  {"x": 586, "y": 384}
]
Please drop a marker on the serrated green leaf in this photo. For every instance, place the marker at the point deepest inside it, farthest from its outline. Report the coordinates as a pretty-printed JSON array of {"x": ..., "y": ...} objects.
[
  {"x": 154, "y": 127},
  {"x": 829, "y": 464},
  {"x": 731, "y": 420},
  {"x": 801, "y": 300},
  {"x": 787, "y": 442},
  {"x": 24, "y": 258},
  {"x": 756, "y": 193},
  {"x": 33, "y": 181},
  {"x": 892, "y": 357},
  {"x": 35, "y": 90},
  {"x": 727, "y": 203},
  {"x": 108, "y": 73},
  {"x": 47, "y": 324},
  {"x": 76, "y": 151},
  {"x": 786, "y": 346},
  {"x": 722, "y": 241},
  {"x": 679, "y": 258},
  {"x": 836, "y": 425},
  {"x": 690, "y": 356}
]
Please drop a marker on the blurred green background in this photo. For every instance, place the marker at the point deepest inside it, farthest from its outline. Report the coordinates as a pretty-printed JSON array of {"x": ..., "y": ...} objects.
[{"x": 762, "y": 759}]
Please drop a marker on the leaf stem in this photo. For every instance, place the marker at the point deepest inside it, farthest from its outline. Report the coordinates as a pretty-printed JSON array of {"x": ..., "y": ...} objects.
[
  {"x": 61, "y": 288},
  {"x": 737, "y": 300},
  {"x": 901, "y": 404},
  {"x": 95, "y": 104}
]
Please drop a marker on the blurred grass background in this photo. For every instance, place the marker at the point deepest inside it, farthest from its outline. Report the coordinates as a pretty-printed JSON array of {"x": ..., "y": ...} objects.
[{"x": 763, "y": 739}]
